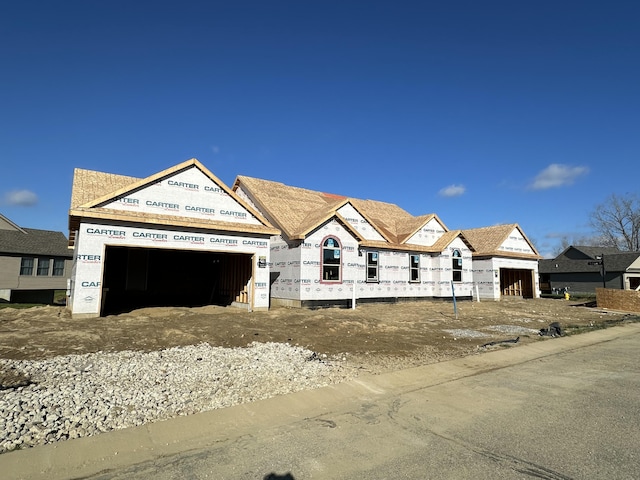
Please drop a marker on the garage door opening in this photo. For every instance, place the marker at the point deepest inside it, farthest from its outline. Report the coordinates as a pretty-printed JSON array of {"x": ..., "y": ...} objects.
[
  {"x": 142, "y": 277},
  {"x": 516, "y": 282}
]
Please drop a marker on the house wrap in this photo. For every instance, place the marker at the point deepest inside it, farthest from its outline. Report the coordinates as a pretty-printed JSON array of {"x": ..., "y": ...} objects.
[
  {"x": 179, "y": 237},
  {"x": 505, "y": 262},
  {"x": 331, "y": 244},
  {"x": 182, "y": 237}
]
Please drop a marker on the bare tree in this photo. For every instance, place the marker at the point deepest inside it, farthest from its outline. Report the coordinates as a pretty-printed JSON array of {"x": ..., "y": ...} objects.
[
  {"x": 617, "y": 221},
  {"x": 582, "y": 240}
]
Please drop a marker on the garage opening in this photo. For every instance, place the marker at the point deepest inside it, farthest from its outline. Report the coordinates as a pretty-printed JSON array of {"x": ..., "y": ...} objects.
[
  {"x": 515, "y": 282},
  {"x": 142, "y": 277}
]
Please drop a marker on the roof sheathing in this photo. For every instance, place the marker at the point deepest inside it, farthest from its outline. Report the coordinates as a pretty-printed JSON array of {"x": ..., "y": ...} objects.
[
  {"x": 89, "y": 185},
  {"x": 411, "y": 228},
  {"x": 93, "y": 189},
  {"x": 486, "y": 241},
  {"x": 299, "y": 211}
]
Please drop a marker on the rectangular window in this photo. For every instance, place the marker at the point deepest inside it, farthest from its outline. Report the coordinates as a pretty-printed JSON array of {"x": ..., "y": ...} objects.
[
  {"x": 43, "y": 267},
  {"x": 372, "y": 266},
  {"x": 58, "y": 267},
  {"x": 26, "y": 266},
  {"x": 414, "y": 268}
]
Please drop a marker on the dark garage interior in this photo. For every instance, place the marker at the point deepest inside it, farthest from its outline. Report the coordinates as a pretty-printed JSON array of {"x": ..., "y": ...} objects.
[{"x": 146, "y": 277}]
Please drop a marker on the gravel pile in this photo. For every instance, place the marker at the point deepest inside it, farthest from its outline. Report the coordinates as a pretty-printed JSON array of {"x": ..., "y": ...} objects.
[
  {"x": 81, "y": 395},
  {"x": 513, "y": 329},
  {"x": 465, "y": 333}
]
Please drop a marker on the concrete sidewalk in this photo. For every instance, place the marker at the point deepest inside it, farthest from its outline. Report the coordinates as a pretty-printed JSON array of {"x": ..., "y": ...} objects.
[{"x": 88, "y": 456}]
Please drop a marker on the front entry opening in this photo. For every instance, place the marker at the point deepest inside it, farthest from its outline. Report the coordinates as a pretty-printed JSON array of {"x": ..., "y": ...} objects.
[
  {"x": 142, "y": 277},
  {"x": 515, "y": 282}
]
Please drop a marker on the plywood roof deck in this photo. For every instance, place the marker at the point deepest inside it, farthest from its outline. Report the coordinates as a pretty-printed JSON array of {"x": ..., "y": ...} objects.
[
  {"x": 486, "y": 241},
  {"x": 92, "y": 189},
  {"x": 298, "y": 211}
]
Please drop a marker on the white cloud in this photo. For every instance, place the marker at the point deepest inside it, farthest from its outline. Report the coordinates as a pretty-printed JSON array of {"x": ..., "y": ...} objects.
[
  {"x": 452, "y": 191},
  {"x": 557, "y": 175},
  {"x": 21, "y": 198}
]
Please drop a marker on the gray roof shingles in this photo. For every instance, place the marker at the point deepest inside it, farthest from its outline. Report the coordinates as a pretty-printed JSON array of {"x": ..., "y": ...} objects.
[
  {"x": 34, "y": 242},
  {"x": 613, "y": 262}
]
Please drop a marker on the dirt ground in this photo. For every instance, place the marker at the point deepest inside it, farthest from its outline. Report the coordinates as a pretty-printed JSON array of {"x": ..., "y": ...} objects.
[{"x": 374, "y": 337}]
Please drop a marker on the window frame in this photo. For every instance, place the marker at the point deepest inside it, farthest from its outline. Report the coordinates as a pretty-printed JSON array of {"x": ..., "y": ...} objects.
[
  {"x": 370, "y": 265},
  {"x": 414, "y": 269},
  {"x": 27, "y": 270},
  {"x": 40, "y": 269},
  {"x": 456, "y": 270},
  {"x": 326, "y": 267},
  {"x": 58, "y": 267}
]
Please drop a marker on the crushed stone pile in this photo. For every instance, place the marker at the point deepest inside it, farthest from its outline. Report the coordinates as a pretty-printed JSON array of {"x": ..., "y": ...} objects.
[{"x": 76, "y": 396}]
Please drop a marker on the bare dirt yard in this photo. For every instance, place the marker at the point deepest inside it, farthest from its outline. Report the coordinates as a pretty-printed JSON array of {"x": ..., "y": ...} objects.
[{"x": 373, "y": 337}]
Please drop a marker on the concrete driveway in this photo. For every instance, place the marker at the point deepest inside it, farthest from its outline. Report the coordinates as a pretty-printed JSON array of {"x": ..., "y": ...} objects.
[{"x": 566, "y": 408}]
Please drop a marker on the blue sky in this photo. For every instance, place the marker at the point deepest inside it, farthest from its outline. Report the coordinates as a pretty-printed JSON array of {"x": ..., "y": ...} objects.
[{"x": 481, "y": 112}]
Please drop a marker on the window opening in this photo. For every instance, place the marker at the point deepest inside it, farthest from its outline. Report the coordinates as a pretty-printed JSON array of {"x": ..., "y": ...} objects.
[
  {"x": 26, "y": 266},
  {"x": 414, "y": 268},
  {"x": 58, "y": 267},
  {"x": 43, "y": 267},
  {"x": 331, "y": 255},
  {"x": 372, "y": 266},
  {"x": 457, "y": 266}
]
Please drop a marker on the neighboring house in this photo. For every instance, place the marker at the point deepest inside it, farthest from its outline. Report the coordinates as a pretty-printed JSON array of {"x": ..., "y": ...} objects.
[
  {"x": 33, "y": 263},
  {"x": 329, "y": 244},
  {"x": 179, "y": 237},
  {"x": 505, "y": 262},
  {"x": 579, "y": 269}
]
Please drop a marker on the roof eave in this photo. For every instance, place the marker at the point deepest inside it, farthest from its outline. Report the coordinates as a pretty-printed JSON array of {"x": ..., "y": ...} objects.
[{"x": 79, "y": 214}]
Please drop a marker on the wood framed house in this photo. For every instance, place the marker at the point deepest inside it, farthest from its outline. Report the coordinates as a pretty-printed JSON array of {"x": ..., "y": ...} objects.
[
  {"x": 178, "y": 237},
  {"x": 33, "y": 263},
  {"x": 582, "y": 269},
  {"x": 329, "y": 245},
  {"x": 505, "y": 262}
]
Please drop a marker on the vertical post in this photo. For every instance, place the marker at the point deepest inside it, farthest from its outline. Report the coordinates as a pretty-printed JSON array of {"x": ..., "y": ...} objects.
[
  {"x": 353, "y": 298},
  {"x": 604, "y": 272},
  {"x": 477, "y": 293},
  {"x": 455, "y": 305}
]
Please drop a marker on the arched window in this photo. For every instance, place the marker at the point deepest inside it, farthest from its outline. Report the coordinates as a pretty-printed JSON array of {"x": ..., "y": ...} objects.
[
  {"x": 457, "y": 265},
  {"x": 331, "y": 259}
]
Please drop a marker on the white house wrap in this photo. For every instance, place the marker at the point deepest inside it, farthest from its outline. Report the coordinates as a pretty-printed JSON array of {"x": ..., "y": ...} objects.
[
  {"x": 178, "y": 237},
  {"x": 329, "y": 244},
  {"x": 181, "y": 237}
]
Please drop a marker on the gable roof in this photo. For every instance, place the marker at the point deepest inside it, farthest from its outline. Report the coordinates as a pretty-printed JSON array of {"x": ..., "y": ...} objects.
[
  {"x": 91, "y": 190},
  {"x": 295, "y": 210},
  {"x": 486, "y": 241},
  {"x": 31, "y": 241},
  {"x": 6, "y": 224},
  {"x": 614, "y": 260},
  {"x": 587, "y": 251},
  {"x": 298, "y": 211}
]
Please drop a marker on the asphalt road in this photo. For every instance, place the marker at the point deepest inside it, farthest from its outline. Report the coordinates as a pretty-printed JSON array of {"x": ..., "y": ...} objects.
[{"x": 562, "y": 409}]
